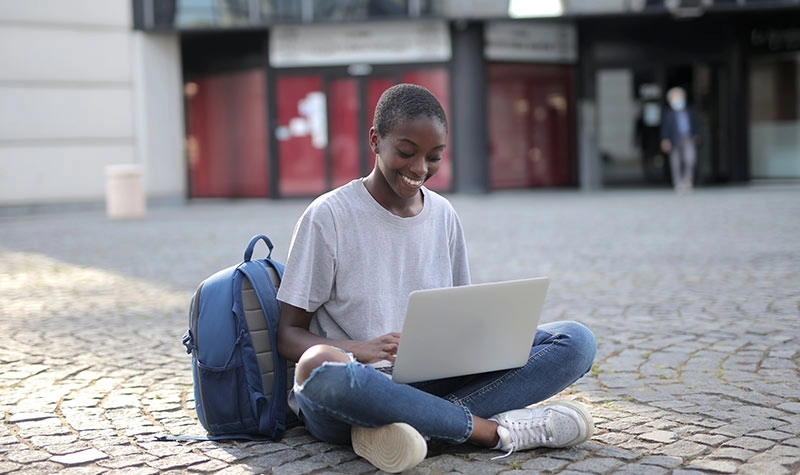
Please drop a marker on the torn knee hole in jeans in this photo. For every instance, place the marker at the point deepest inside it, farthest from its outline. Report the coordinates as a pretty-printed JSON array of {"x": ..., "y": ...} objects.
[{"x": 350, "y": 372}]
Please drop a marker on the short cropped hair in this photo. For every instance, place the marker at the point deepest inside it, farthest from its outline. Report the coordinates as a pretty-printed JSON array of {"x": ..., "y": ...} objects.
[{"x": 402, "y": 102}]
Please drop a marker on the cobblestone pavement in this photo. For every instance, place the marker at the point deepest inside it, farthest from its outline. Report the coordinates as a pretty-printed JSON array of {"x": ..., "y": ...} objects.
[{"x": 695, "y": 301}]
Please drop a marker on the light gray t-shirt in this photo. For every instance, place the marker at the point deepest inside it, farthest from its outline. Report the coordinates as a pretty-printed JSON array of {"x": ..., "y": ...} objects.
[{"x": 353, "y": 263}]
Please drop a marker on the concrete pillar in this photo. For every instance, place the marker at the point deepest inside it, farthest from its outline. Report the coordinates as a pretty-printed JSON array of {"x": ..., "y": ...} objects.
[
  {"x": 468, "y": 111},
  {"x": 589, "y": 166}
]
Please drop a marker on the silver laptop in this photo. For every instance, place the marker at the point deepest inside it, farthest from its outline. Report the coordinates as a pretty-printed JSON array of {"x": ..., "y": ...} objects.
[{"x": 469, "y": 329}]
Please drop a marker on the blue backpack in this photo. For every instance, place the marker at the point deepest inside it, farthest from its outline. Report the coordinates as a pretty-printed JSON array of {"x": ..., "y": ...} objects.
[{"x": 241, "y": 383}]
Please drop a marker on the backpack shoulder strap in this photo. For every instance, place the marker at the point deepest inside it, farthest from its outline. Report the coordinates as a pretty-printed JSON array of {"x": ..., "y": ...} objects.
[{"x": 274, "y": 414}]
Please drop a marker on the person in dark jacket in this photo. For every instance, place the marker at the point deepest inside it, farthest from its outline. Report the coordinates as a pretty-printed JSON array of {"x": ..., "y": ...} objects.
[{"x": 680, "y": 136}]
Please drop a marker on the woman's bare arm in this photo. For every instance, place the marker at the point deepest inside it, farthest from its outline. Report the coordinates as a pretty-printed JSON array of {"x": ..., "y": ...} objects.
[{"x": 294, "y": 339}]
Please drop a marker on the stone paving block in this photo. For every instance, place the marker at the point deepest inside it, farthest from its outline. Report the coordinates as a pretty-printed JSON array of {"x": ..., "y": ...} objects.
[
  {"x": 544, "y": 464},
  {"x": 43, "y": 428},
  {"x": 46, "y": 441},
  {"x": 618, "y": 453},
  {"x": 785, "y": 460},
  {"x": 226, "y": 454},
  {"x": 572, "y": 453},
  {"x": 640, "y": 469},
  {"x": 8, "y": 467},
  {"x": 24, "y": 456},
  {"x": 662, "y": 461},
  {"x": 356, "y": 466},
  {"x": 597, "y": 465},
  {"x": 717, "y": 466},
  {"x": 333, "y": 457},
  {"x": 212, "y": 466},
  {"x": 750, "y": 443},
  {"x": 731, "y": 430},
  {"x": 709, "y": 439},
  {"x": 638, "y": 445},
  {"x": 177, "y": 461},
  {"x": 298, "y": 467},
  {"x": 662, "y": 424},
  {"x": 613, "y": 439},
  {"x": 118, "y": 461},
  {"x": 142, "y": 430},
  {"x": 43, "y": 468},
  {"x": 276, "y": 459},
  {"x": 80, "y": 457},
  {"x": 88, "y": 470},
  {"x": 441, "y": 464},
  {"x": 112, "y": 443},
  {"x": 732, "y": 453},
  {"x": 30, "y": 416},
  {"x": 682, "y": 448},
  {"x": 775, "y": 435},
  {"x": 785, "y": 450},
  {"x": 793, "y": 407},
  {"x": 791, "y": 442},
  {"x": 8, "y": 444},
  {"x": 661, "y": 436},
  {"x": 137, "y": 471},
  {"x": 764, "y": 469},
  {"x": 164, "y": 449}
]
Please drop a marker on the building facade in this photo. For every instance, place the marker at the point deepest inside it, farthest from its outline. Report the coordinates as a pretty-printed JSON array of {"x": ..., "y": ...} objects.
[
  {"x": 273, "y": 98},
  {"x": 80, "y": 89}
]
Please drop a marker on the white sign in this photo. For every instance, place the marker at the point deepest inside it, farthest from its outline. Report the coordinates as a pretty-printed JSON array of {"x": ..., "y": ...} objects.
[
  {"x": 380, "y": 43},
  {"x": 312, "y": 120},
  {"x": 530, "y": 42}
]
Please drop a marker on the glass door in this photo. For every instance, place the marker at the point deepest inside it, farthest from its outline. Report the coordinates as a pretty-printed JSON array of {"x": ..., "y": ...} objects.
[{"x": 775, "y": 117}]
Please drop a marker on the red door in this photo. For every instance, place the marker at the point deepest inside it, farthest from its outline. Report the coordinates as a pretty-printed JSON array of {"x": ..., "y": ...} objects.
[
  {"x": 320, "y": 141},
  {"x": 344, "y": 146},
  {"x": 227, "y": 143},
  {"x": 530, "y": 126}
]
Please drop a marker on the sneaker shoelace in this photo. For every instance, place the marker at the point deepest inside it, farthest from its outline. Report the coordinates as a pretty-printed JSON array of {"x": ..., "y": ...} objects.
[{"x": 527, "y": 434}]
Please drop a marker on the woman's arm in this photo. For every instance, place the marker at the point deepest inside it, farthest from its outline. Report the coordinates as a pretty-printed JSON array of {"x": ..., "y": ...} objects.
[{"x": 294, "y": 339}]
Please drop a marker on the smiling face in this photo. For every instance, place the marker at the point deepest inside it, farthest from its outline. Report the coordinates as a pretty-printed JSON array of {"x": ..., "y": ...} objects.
[{"x": 406, "y": 157}]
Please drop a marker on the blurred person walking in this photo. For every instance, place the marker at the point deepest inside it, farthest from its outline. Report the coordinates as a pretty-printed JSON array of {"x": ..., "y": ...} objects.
[{"x": 680, "y": 136}]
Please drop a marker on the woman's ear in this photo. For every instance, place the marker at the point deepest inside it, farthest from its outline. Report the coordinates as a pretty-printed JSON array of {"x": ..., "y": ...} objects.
[{"x": 374, "y": 140}]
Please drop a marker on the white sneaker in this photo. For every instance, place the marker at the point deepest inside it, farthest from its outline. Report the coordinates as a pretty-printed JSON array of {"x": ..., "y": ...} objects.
[
  {"x": 554, "y": 424},
  {"x": 392, "y": 448}
]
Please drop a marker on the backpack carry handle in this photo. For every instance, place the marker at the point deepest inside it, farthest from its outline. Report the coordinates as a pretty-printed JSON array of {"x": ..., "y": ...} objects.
[{"x": 248, "y": 253}]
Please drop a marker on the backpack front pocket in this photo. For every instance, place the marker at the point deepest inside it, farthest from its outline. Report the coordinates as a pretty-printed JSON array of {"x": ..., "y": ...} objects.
[{"x": 225, "y": 399}]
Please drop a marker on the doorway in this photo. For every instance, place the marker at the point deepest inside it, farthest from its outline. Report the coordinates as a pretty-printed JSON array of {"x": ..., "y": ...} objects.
[
  {"x": 630, "y": 105},
  {"x": 226, "y": 143},
  {"x": 531, "y": 125}
]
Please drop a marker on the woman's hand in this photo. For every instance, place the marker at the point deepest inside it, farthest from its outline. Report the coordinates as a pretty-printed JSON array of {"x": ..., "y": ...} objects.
[{"x": 378, "y": 349}]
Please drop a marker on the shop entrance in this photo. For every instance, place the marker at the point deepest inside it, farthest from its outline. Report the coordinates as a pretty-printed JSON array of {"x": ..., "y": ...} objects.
[{"x": 631, "y": 102}]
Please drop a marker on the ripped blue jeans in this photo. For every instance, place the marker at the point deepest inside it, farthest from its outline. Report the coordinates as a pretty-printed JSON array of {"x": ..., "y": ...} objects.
[{"x": 337, "y": 396}]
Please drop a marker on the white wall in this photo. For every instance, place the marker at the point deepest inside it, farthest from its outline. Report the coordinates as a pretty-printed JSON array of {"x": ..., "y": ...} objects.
[{"x": 75, "y": 96}]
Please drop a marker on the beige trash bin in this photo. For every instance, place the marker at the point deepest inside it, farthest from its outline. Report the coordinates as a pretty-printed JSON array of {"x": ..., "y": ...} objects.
[{"x": 125, "y": 192}]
